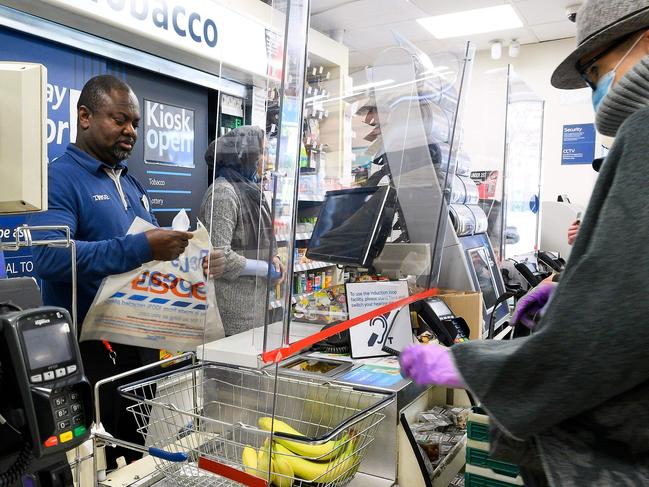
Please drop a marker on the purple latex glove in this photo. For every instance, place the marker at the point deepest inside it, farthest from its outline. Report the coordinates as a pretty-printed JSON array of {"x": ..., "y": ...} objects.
[
  {"x": 430, "y": 364},
  {"x": 530, "y": 306}
]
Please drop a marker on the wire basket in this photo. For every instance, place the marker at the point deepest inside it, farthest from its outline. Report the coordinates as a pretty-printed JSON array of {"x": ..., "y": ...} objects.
[{"x": 206, "y": 417}]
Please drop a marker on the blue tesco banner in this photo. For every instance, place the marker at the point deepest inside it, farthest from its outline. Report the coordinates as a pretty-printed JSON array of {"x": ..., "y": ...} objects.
[
  {"x": 175, "y": 130},
  {"x": 578, "y": 144}
]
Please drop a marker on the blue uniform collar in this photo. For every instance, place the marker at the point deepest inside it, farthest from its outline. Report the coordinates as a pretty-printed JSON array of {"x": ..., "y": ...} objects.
[{"x": 89, "y": 163}]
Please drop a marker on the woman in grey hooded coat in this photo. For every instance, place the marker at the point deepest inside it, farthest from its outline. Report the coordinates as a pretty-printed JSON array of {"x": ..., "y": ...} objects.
[
  {"x": 570, "y": 403},
  {"x": 238, "y": 218}
]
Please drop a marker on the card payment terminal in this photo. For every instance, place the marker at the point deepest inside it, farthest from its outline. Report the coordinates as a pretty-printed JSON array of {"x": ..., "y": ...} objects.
[
  {"x": 44, "y": 393},
  {"x": 440, "y": 319}
]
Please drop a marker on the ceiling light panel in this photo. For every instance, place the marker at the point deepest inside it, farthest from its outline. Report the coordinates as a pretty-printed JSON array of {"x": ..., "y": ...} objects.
[{"x": 469, "y": 22}]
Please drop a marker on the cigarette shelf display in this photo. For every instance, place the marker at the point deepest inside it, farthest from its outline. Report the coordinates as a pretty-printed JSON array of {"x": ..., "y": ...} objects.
[
  {"x": 324, "y": 165},
  {"x": 294, "y": 299},
  {"x": 312, "y": 266}
]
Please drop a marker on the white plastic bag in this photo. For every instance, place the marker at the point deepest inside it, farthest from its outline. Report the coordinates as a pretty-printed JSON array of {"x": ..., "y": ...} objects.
[{"x": 161, "y": 304}]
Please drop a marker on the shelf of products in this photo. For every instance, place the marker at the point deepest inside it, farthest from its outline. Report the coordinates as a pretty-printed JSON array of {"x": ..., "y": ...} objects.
[
  {"x": 321, "y": 167},
  {"x": 311, "y": 266},
  {"x": 294, "y": 300}
]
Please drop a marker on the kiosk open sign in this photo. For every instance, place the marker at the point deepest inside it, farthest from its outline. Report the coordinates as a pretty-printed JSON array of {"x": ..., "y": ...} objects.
[{"x": 168, "y": 134}]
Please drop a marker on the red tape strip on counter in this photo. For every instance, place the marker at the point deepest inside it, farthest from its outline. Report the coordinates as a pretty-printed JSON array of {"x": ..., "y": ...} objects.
[
  {"x": 231, "y": 473},
  {"x": 280, "y": 354}
]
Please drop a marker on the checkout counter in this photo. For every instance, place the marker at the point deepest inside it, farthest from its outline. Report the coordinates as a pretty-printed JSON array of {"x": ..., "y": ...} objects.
[
  {"x": 411, "y": 209},
  {"x": 390, "y": 459},
  {"x": 352, "y": 230}
]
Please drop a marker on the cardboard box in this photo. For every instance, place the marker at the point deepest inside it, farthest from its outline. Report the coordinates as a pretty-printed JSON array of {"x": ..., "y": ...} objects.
[{"x": 468, "y": 305}]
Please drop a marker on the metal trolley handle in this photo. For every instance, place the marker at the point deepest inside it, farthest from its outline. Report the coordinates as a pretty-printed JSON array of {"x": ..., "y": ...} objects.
[
  {"x": 155, "y": 452},
  {"x": 23, "y": 239}
]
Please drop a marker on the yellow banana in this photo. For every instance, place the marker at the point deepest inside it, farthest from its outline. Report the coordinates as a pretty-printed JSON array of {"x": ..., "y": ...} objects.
[
  {"x": 282, "y": 467},
  {"x": 321, "y": 453},
  {"x": 263, "y": 459},
  {"x": 318, "y": 471},
  {"x": 249, "y": 459}
]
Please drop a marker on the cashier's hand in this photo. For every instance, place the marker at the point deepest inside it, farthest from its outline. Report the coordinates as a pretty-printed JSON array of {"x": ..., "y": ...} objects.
[
  {"x": 167, "y": 244},
  {"x": 573, "y": 231},
  {"x": 430, "y": 364},
  {"x": 279, "y": 268},
  {"x": 214, "y": 267}
]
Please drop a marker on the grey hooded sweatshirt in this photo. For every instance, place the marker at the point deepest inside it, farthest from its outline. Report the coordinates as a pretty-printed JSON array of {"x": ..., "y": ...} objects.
[{"x": 576, "y": 393}]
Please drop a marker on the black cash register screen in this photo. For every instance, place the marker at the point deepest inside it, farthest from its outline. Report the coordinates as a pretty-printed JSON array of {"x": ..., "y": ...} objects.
[
  {"x": 347, "y": 225},
  {"x": 485, "y": 277},
  {"x": 48, "y": 345}
]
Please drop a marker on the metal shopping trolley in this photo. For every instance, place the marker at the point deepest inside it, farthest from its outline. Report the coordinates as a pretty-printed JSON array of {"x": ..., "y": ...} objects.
[{"x": 207, "y": 423}]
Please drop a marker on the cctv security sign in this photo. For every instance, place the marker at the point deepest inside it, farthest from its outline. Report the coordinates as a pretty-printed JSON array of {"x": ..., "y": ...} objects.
[
  {"x": 168, "y": 134},
  {"x": 578, "y": 144}
]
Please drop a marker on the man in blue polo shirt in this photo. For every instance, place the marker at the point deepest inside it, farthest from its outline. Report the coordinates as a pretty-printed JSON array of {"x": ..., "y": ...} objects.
[{"x": 91, "y": 191}]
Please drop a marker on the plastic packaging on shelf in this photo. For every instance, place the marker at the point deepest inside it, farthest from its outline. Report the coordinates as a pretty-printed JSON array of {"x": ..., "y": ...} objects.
[
  {"x": 465, "y": 191},
  {"x": 430, "y": 443},
  {"x": 463, "y": 166},
  {"x": 458, "y": 193},
  {"x": 463, "y": 220},
  {"x": 471, "y": 191},
  {"x": 480, "y": 217}
]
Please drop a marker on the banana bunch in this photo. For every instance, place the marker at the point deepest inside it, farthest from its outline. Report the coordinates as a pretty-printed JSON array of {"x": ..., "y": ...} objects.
[
  {"x": 318, "y": 453},
  {"x": 320, "y": 472},
  {"x": 334, "y": 460},
  {"x": 256, "y": 463}
]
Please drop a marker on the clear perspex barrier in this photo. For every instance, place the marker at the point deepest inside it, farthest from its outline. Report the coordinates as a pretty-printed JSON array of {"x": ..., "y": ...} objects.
[
  {"x": 523, "y": 152},
  {"x": 416, "y": 98},
  {"x": 503, "y": 141},
  {"x": 314, "y": 171}
]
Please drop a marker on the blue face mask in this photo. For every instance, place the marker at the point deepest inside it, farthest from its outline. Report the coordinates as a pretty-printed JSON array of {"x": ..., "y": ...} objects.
[
  {"x": 606, "y": 82},
  {"x": 603, "y": 87}
]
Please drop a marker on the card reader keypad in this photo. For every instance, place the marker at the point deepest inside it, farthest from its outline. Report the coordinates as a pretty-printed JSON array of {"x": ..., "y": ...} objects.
[{"x": 68, "y": 414}]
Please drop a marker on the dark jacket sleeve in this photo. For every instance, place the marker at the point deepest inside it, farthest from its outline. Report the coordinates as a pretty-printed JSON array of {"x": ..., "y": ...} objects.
[
  {"x": 592, "y": 342},
  {"x": 95, "y": 260}
]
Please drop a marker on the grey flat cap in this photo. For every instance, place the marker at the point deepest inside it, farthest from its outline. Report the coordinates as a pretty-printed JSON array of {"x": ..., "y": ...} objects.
[{"x": 599, "y": 24}]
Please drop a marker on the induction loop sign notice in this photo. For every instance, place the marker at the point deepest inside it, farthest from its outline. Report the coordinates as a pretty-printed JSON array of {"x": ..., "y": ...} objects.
[{"x": 277, "y": 355}]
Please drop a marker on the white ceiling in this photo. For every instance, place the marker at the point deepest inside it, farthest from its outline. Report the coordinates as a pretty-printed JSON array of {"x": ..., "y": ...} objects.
[{"x": 367, "y": 23}]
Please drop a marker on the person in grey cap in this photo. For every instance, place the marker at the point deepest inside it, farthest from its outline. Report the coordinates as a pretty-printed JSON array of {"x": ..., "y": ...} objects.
[
  {"x": 239, "y": 220},
  {"x": 570, "y": 403}
]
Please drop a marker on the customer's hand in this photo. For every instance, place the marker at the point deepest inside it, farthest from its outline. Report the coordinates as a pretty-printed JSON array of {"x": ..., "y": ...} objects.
[
  {"x": 430, "y": 364},
  {"x": 573, "y": 231},
  {"x": 214, "y": 266},
  {"x": 529, "y": 306},
  {"x": 279, "y": 268},
  {"x": 167, "y": 244}
]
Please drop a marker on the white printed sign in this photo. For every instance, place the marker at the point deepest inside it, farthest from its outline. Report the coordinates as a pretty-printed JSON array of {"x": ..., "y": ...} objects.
[
  {"x": 391, "y": 329},
  {"x": 205, "y": 29}
]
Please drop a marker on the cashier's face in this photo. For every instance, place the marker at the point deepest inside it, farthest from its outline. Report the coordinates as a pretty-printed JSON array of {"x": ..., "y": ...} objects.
[{"x": 110, "y": 131}]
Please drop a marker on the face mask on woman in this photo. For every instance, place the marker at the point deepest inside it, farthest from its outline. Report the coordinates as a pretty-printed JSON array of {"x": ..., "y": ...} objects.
[
  {"x": 614, "y": 103},
  {"x": 606, "y": 82}
]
